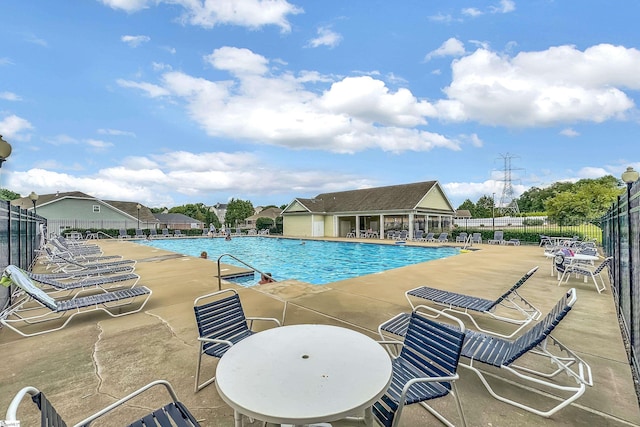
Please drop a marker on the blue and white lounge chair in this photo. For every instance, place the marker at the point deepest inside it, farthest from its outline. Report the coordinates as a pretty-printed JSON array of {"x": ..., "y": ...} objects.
[
  {"x": 461, "y": 304},
  {"x": 424, "y": 369},
  {"x": 51, "y": 309},
  {"x": 221, "y": 323},
  {"x": 537, "y": 342},
  {"x": 481, "y": 348},
  {"x": 172, "y": 414},
  {"x": 74, "y": 287}
]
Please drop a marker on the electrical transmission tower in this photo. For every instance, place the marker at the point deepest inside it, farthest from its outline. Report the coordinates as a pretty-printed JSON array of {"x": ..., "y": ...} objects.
[{"x": 508, "y": 203}]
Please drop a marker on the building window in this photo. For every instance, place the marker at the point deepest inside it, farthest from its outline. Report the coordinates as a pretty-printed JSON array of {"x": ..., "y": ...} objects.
[{"x": 96, "y": 208}]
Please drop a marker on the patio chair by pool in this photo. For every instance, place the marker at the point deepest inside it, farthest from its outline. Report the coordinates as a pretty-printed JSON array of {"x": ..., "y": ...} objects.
[
  {"x": 476, "y": 238},
  {"x": 153, "y": 233},
  {"x": 172, "y": 414},
  {"x": 165, "y": 233},
  {"x": 460, "y": 304},
  {"x": 178, "y": 233},
  {"x": 122, "y": 234},
  {"x": 47, "y": 309},
  {"x": 498, "y": 238},
  {"x": 443, "y": 237},
  {"x": 587, "y": 271},
  {"x": 462, "y": 237},
  {"x": 140, "y": 234},
  {"x": 429, "y": 237},
  {"x": 221, "y": 323},
  {"x": 424, "y": 369}
]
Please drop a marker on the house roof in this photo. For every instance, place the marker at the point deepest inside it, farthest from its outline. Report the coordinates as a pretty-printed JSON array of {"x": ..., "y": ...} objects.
[
  {"x": 175, "y": 218},
  {"x": 43, "y": 199},
  {"x": 128, "y": 208},
  {"x": 463, "y": 213},
  {"x": 394, "y": 197},
  {"x": 272, "y": 213},
  {"x": 131, "y": 208}
]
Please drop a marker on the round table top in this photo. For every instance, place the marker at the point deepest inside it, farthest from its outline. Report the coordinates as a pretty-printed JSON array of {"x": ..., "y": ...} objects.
[{"x": 302, "y": 374}]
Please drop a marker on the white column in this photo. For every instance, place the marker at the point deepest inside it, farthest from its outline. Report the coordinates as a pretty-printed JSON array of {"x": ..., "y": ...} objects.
[{"x": 411, "y": 218}]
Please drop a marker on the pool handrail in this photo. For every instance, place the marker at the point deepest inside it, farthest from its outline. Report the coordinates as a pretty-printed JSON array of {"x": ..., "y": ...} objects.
[{"x": 240, "y": 261}]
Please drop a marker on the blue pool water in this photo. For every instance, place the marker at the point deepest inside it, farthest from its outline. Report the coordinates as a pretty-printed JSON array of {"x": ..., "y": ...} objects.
[{"x": 311, "y": 261}]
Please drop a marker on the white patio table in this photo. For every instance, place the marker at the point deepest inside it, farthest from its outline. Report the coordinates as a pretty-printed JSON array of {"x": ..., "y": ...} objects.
[{"x": 303, "y": 374}]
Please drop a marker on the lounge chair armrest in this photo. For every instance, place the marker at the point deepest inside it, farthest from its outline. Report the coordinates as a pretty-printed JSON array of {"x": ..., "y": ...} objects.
[
  {"x": 270, "y": 319},
  {"x": 114, "y": 405},
  {"x": 12, "y": 411},
  {"x": 214, "y": 340},
  {"x": 387, "y": 344},
  {"x": 413, "y": 381}
]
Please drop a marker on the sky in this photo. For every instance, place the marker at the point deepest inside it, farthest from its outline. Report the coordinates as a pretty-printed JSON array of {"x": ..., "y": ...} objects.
[{"x": 170, "y": 102}]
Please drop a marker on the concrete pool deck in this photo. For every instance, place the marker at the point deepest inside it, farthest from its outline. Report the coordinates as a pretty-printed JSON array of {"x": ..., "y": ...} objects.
[{"x": 97, "y": 359}]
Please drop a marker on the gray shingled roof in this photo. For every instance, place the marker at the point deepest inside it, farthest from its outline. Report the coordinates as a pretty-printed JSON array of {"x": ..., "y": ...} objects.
[
  {"x": 130, "y": 208},
  {"x": 394, "y": 197},
  {"x": 26, "y": 203},
  {"x": 175, "y": 218}
]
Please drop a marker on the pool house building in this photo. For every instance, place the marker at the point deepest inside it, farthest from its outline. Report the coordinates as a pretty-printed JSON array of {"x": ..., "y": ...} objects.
[{"x": 371, "y": 212}]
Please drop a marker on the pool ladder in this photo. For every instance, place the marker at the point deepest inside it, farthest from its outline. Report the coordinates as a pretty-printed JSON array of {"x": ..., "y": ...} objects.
[{"x": 240, "y": 261}]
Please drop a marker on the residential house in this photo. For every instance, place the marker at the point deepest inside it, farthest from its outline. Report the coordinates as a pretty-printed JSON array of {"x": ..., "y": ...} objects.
[
  {"x": 77, "y": 210},
  {"x": 220, "y": 209},
  {"x": 272, "y": 213},
  {"x": 178, "y": 221},
  {"x": 418, "y": 206}
]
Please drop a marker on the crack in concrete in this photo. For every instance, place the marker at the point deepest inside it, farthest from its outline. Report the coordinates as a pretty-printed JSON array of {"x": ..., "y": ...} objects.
[
  {"x": 168, "y": 325},
  {"x": 94, "y": 357}
]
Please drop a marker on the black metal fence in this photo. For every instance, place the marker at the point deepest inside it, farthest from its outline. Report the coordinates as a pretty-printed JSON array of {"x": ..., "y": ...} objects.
[
  {"x": 19, "y": 239},
  {"x": 621, "y": 240}
]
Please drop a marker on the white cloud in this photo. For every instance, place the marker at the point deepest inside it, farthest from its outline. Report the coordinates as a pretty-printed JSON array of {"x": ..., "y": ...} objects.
[
  {"x": 505, "y": 6},
  {"x": 10, "y": 96},
  {"x": 14, "y": 127},
  {"x": 238, "y": 61},
  {"x": 151, "y": 90},
  {"x": 326, "y": 37},
  {"x": 116, "y": 132},
  {"x": 135, "y": 41},
  {"x": 128, "y": 5},
  {"x": 471, "y": 11},
  {"x": 558, "y": 85},
  {"x": 98, "y": 145},
  {"x": 247, "y": 13},
  {"x": 196, "y": 175},
  {"x": 441, "y": 18},
  {"x": 569, "y": 132},
  {"x": 258, "y": 105},
  {"x": 451, "y": 47}
]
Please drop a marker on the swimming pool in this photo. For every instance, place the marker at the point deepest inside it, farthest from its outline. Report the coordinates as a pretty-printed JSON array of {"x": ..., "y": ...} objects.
[{"x": 312, "y": 261}]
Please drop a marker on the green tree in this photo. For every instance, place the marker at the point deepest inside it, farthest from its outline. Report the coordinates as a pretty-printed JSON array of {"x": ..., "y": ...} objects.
[
  {"x": 484, "y": 207},
  {"x": 468, "y": 205},
  {"x": 263, "y": 223},
  {"x": 586, "y": 200},
  {"x": 8, "y": 194},
  {"x": 238, "y": 211}
]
